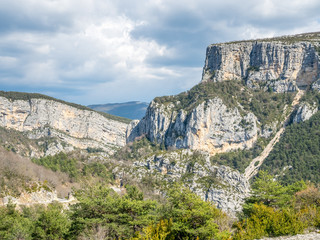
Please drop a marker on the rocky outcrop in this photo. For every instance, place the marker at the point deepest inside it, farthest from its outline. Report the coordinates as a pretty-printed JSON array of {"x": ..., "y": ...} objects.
[
  {"x": 38, "y": 197},
  {"x": 225, "y": 187},
  {"x": 48, "y": 118},
  {"x": 281, "y": 65},
  {"x": 275, "y": 64},
  {"x": 210, "y": 127},
  {"x": 304, "y": 112}
]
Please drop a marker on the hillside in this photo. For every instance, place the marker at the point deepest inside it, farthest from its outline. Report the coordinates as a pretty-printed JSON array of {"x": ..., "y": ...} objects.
[
  {"x": 13, "y": 96},
  {"x": 130, "y": 110},
  {"x": 65, "y": 126},
  {"x": 243, "y": 105},
  {"x": 297, "y": 155}
]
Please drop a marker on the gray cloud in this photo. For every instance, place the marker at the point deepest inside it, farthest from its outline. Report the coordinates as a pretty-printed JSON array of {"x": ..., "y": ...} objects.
[{"x": 111, "y": 51}]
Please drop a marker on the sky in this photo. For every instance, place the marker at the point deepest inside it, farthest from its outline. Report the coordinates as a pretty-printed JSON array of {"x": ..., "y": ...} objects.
[{"x": 103, "y": 51}]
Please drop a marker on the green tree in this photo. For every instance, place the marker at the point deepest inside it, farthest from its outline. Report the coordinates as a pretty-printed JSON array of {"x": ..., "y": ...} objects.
[
  {"x": 192, "y": 217},
  {"x": 117, "y": 216},
  {"x": 270, "y": 192},
  {"x": 268, "y": 221},
  {"x": 13, "y": 225},
  {"x": 52, "y": 224}
]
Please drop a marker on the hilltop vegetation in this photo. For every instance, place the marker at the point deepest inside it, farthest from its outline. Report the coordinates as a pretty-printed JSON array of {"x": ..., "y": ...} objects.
[
  {"x": 289, "y": 39},
  {"x": 266, "y": 106}
]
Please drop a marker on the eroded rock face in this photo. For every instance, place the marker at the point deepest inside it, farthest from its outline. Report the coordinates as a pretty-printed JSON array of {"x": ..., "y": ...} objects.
[
  {"x": 210, "y": 127},
  {"x": 304, "y": 112},
  {"x": 47, "y": 118},
  {"x": 225, "y": 187},
  {"x": 279, "y": 65}
]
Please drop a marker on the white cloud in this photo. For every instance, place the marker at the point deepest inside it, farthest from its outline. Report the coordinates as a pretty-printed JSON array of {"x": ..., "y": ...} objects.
[{"x": 103, "y": 51}]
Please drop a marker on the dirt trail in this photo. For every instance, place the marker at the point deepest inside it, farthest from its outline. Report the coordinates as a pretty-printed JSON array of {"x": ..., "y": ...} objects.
[{"x": 253, "y": 167}]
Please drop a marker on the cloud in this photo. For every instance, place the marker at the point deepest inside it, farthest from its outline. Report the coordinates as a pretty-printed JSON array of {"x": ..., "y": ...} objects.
[{"x": 111, "y": 51}]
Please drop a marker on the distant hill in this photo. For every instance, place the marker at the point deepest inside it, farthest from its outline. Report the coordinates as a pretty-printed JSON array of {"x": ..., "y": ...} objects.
[{"x": 131, "y": 110}]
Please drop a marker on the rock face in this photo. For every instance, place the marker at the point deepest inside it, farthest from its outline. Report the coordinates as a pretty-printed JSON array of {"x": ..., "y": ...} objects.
[
  {"x": 210, "y": 127},
  {"x": 277, "y": 64},
  {"x": 304, "y": 112},
  {"x": 225, "y": 187},
  {"x": 280, "y": 65},
  {"x": 47, "y": 118}
]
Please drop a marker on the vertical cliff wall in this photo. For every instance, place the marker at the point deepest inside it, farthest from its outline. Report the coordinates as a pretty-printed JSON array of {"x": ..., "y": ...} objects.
[
  {"x": 210, "y": 127},
  {"x": 277, "y": 64}
]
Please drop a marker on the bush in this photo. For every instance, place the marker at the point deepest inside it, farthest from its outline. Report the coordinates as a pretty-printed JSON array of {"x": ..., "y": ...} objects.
[{"x": 267, "y": 221}]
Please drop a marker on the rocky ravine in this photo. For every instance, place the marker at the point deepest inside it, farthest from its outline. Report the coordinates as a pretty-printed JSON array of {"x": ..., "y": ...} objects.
[
  {"x": 301, "y": 115},
  {"x": 72, "y": 126}
]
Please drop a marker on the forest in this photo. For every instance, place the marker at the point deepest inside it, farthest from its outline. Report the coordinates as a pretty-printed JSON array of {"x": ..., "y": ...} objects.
[{"x": 273, "y": 209}]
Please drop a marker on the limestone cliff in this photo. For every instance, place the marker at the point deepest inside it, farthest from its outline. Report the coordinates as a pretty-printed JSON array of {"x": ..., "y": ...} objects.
[
  {"x": 211, "y": 127},
  {"x": 282, "y": 64},
  {"x": 38, "y": 117},
  {"x": 214, "y": 125}
]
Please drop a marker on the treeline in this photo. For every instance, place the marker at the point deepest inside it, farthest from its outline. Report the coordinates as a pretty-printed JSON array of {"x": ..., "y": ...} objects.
[
  {"x": 297, "y": 155},
  {"x": 101, "y": 213},
  {"x": 76, "y": 169}
]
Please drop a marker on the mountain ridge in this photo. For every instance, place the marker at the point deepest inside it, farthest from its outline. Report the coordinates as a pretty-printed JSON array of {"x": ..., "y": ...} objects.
[{"x": 131, "y": 110}]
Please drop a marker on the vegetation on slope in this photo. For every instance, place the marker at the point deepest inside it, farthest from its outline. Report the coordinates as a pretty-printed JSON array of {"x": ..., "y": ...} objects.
[
  {"x": 137, "y": 150},
  {"x": 277, "y": 210},
  {"x": 266, "y": 106},
  {"x": 75, "y": 166},
  {"x": 17, "y": 142},
  {"x": 240, "y": 159},
  {"x": 297, "y": 155},
  {"x": 311, "y": 97},
  {"x": 12, "y": 96},
  {"x": 19, "y": 174}
]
